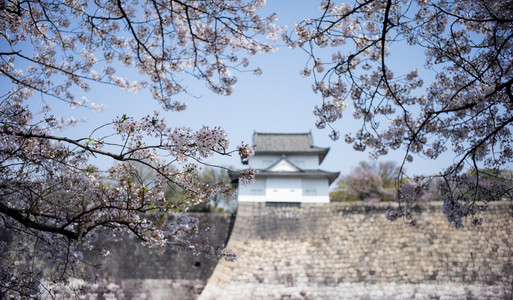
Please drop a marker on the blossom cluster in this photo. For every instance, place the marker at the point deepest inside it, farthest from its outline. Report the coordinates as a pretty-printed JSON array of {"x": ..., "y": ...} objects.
[
  {"x": 54, "y": 203},
  {"x": 73, "y": 43},
  {"x": 465, "y": 110}
]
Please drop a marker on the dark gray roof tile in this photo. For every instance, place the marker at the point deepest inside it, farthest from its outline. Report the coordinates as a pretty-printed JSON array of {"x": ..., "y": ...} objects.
[
  {"x": 287, "y": 143},
  {"x": 283, "y": 141},
  {"x": 303, "y": 173}
]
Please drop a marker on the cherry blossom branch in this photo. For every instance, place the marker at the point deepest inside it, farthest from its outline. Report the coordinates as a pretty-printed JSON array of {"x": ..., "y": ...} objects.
[{"x": 18, "y": 216}]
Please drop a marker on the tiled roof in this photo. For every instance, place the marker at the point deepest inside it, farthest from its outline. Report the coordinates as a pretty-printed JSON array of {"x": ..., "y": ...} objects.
[
  {"x": 287, "y": 143},
  {"x": 303, "y": 173},
  {"x": 284, "y": 142}
]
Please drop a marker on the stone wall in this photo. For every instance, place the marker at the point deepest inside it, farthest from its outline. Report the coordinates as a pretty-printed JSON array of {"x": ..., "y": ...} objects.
[
  {"x": 133, "y": 271},
  {"x": 350, "y": 251}
]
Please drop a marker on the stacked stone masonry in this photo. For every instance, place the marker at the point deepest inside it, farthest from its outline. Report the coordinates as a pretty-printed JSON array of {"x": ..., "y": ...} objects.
[
  {"x": 350, "y": 251},
  {"x": 323, "y": 251},
  {"x": 136, "y": 272}
]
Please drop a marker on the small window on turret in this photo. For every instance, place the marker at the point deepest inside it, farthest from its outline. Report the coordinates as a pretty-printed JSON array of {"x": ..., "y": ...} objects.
[
  {"x": 257, "y": 191},
  {"x": 310, "y": 192}
]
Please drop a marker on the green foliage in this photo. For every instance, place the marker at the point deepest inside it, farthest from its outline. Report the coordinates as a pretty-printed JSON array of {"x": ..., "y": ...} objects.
[{"x": 220, "y": 202}]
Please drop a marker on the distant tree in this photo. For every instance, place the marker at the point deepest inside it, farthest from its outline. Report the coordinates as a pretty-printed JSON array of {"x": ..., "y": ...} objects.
[
  {"x": 367, "y": 182},
  {"x": 219, "y": 202},
  {"x": 389, "y": 172},
  {"x": 53, "y": 203},
  {"x": 467, "y": 108},
  {"x": 492, "y": 182}
]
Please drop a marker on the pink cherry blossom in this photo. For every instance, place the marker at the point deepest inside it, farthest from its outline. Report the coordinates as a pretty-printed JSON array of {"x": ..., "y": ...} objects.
[
  {"x": 54, "y": 203},
  {"x": 465, "y": 110}
]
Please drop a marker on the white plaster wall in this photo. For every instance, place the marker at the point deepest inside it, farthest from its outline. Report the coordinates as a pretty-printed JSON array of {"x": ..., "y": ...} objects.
[
  {"x": 278, "y": 189},
  {"x": 254, "y": 192},
  {"x": 283, "y": 189},
  {"x": 315, "y": 190}
]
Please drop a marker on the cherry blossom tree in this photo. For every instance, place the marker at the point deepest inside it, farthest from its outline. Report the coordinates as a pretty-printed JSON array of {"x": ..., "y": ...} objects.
[
  {"x": 53, "y": 202},
  {"x": 367, "y": 182},
  {"x": 465, "y": 110}
]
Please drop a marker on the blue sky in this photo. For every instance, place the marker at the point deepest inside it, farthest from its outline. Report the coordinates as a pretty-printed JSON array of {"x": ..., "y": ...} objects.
[{"x": 279, "y": 100}]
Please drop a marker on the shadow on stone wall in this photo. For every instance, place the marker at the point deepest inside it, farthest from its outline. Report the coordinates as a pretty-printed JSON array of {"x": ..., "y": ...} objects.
[
  {"x": 134, "y": 271},
  {"x": 129, "y": 259}
]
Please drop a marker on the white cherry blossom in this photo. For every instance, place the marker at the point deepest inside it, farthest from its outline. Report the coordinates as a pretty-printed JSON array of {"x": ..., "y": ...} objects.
[
  {"x": 466, "y": 109},
  {"x": 54, "y": 203}
]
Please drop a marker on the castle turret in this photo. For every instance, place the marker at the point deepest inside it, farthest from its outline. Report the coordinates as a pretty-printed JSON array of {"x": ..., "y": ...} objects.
[{"x": 288, "y": 170}]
